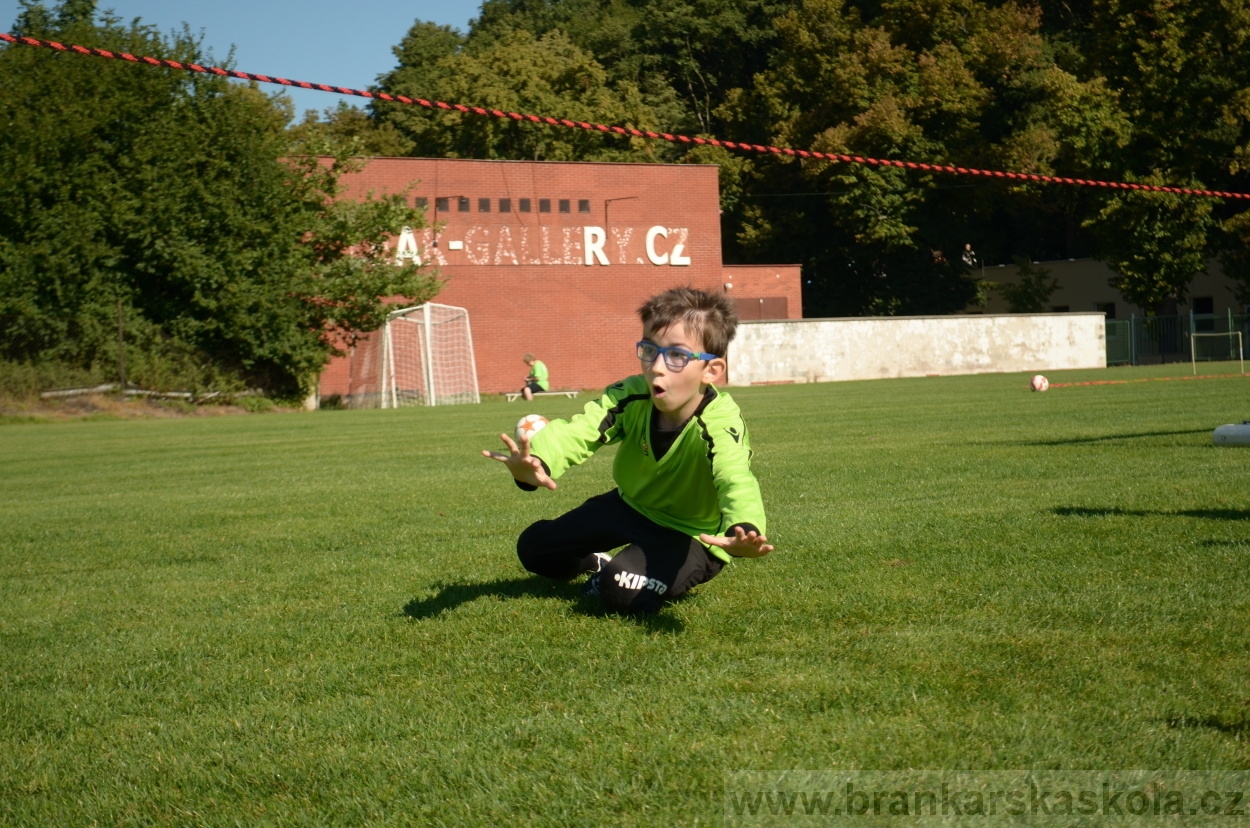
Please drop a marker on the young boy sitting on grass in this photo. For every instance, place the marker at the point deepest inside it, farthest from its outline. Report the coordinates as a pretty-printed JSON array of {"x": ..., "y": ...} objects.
[{"x": 686, "y": 501}]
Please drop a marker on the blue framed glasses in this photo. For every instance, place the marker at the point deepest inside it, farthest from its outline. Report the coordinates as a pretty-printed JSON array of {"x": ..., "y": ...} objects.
[{"x": 675, "y": 358}]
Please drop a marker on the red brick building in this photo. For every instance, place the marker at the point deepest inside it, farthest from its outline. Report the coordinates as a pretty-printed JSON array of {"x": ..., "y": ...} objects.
[{"x": 554, "y": 258}]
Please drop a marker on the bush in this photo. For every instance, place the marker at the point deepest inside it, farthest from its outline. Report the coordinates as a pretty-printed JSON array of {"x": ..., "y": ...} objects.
[
  {"x": 24, "y": 380},
  {"x": 255, "y": 404},
  {"x": 173, "y": 200}
]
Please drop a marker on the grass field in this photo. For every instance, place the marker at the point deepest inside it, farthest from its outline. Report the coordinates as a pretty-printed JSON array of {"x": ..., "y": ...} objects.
[{"x": 319, "y": 618}]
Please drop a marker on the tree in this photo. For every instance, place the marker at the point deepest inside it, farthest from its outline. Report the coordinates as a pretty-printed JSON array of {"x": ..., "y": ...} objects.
[
  {"x": 1032, "y": 293},
  {"x": 516, "y": 72},
  {"x": 1155, "y": 243},
  {"x": 172, "y": 193},
  {"x": 1181, "y": 72},
  {"x": 1235, "y": 255},
  {"x": 943, "y": 82},
  {"x": 346, "y": 130}
]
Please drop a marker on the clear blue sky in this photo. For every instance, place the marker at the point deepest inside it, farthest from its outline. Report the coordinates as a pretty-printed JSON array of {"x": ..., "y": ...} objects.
[{"x": 342, "y": 44}]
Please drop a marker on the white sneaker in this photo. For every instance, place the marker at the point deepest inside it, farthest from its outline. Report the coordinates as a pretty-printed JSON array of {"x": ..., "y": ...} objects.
[{"x": 600, "y": 561}]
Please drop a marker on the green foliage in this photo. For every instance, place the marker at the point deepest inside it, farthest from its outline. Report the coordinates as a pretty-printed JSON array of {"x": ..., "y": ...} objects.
[
  {"x": 1182, "y": 75},
  {"x": 346, "y": 269},
  {"x": 1235, "y": 255},
  {"x": 256, "y": 405},
  {"x": 23, "y": 381},
  {"x": 1031, "y": 294},
  {"x": 685, "y": 43},
  {"x": 518, "y": 72},
  {"x": 346, "y": 130},
  {"x": 923, "y": 81},
  {"x": 1155, "y": 243},
  {"x": 1182, "y": 70},
  {"x": 286, "y": 620},
  {"x": 169, "y": 192}
]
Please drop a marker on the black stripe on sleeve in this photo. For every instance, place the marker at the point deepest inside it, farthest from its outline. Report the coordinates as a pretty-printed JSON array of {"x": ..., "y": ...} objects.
[
  {"x": 707, "y": 438},
  {"x": 708, "y": 396},
  {"x": 609, "y": 419}
]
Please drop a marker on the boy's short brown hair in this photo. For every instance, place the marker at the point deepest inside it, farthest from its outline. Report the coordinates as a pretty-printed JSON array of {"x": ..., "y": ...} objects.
[{"x": 709, "y": 316}]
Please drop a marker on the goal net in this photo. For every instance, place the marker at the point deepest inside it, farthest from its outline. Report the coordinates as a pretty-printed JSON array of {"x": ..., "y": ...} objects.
[
  {"x": 1216, "y": 346},
  {"x": 422, "y": 356}
]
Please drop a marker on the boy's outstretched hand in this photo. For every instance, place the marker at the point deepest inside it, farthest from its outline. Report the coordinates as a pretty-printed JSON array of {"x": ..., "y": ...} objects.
[
  {"x": 524, "y": 466},
  {"x": 742, "y": 545}
]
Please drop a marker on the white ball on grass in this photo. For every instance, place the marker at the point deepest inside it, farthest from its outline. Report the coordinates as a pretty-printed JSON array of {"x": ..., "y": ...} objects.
[
  {"x": 529, "y": 425},
  {"x": 1039, "y": 383}
]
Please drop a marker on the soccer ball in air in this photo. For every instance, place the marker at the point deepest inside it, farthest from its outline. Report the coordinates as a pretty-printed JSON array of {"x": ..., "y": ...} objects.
[
  {"x": 529, "y": 425},
  {"x": 1039, "y": 383}
]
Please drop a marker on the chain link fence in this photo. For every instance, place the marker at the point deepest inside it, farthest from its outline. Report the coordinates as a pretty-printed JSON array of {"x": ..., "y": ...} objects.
[{"x": 1150, "y": 340}]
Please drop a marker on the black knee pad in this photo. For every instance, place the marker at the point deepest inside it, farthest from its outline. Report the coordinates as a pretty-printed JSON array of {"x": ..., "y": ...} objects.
[{"x": 629, "y": 592}]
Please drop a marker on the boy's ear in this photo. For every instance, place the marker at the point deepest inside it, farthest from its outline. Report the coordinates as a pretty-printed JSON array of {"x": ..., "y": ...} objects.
[{"x": 715, "y": 370}]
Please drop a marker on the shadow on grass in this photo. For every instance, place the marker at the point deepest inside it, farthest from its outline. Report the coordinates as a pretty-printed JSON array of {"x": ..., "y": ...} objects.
[
  {"x": 451, "y": 596},
  {"x": 1238, "y": 729},
  {"x": 1115, "y": 511},
  {"x": 1107, "y": 438}
]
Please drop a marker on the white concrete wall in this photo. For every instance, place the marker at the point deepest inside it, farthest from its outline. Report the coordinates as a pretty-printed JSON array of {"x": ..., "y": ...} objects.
[{"x": 826, "y": 350}]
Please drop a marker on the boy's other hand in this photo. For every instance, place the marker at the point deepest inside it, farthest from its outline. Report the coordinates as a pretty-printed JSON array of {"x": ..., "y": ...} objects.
[
  {"x": 523, "y": 465},
  {"x": 741, "y": 544}
]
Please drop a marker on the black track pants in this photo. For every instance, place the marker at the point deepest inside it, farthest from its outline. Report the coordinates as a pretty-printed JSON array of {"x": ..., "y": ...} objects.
[{"x": 657, "y": 564}]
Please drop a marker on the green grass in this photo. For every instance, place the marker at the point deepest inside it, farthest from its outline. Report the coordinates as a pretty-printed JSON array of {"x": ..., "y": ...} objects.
[{"x": 319, "y": 618}]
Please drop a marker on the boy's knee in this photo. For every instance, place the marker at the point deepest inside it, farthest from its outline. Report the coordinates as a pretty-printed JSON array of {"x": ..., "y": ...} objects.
[
  {"x": 530, "y": 544},
  {"x": 630, "y": 592}
]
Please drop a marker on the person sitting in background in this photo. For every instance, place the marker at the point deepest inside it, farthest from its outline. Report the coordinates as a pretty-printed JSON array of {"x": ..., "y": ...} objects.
[{"x": 537, "y": 378}]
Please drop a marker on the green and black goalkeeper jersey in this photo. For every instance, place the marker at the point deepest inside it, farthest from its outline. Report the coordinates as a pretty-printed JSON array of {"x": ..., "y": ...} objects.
[{"x": 701, "y": 484}]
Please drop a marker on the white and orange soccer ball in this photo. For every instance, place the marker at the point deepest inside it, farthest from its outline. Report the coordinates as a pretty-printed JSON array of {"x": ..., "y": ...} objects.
[
  {"x": 529, "y": 425},
  {"x": 1039, "y": 383}
]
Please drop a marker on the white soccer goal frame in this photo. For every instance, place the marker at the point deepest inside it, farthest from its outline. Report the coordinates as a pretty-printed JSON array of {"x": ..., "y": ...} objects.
[
  {"x": 1193, "y": 351},
  {"x": 390, "y": 390}
]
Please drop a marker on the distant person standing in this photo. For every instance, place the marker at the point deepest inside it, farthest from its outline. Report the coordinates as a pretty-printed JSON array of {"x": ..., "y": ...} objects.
[{"x": 537, "y": 379}]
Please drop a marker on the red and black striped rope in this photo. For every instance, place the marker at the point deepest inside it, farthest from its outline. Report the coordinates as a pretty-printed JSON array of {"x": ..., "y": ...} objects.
[{"x": 620, "y": 130}]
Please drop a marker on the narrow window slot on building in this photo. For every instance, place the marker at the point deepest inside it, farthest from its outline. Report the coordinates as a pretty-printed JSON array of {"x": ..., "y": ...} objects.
[
  {"x": 544, "y": 205},
  {"x": 564, "y": 205},
  {"x": 505, "y": 205},
  {"x": 525, "y": 205},
  {"x": 483, "y": 205},
  {"x": 583, "y": 205}
]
